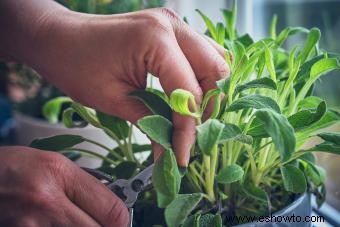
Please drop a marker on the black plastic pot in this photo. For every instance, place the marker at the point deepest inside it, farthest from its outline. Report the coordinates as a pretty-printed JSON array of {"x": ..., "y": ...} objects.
[{"x": 297, "y": 212}]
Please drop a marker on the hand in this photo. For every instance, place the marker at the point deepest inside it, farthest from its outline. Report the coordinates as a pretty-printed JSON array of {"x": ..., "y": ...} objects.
[
  {"x": 99, "y": 60},
  {"x": 40, "y": 188}
]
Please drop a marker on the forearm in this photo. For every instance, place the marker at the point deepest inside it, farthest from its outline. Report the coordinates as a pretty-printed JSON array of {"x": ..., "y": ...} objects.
[{"x": 23, "y": 23}]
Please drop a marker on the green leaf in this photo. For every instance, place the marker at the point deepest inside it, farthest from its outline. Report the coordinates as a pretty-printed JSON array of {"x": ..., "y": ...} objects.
[
  {"x": 158, "y": 128},
  {"x": 125, "y": 170},
  {"x": 72, "y": 155},
  {"x": 88, "y": 114},
  {"x": 208, "y": 135},
  {"x": 309, "y": 157},
  {"x": 210, "y": 94},
  {"x": 115, "y": 124},
  {"x": 285, "y": 33},
  {"x": 270, "y": 63},
  {"x": 293, "y": 179},
  {"x": 328, "y": 119},
  {"x": 246, "y": 40},
  {"x": 316, "y": 173},
  {"x": 180, "y": 208},
  {"x": 258, "y": 83},
  {"x": 223, "y": 85},
  {"x": 255, "y": 192},
  {"x": 68, "y": 119},
  {"x": 312, "y": 40},
  {"x": 192, "y": 221},
  {"x": 323, "y": 66},
  {"x": 57, "y": 143},
  {"x": 230, "y": 20},
  {"x": 273, "y": 25},
  {"x": 331, "y": 137},
  {"x": 321, "y": 195},
  {"x": 282, "y": 133},
  {"x": 230, "y": 174},
  {"x": 233, "y": 132},
  {"x": 166, "y": 179},
  {"x": 254, "y": 101},
  {"x": 136, "y": 148},
  {"x": 239, "y": 52},
  {"x": 51, "y": 109},
  {"x": 154, "y": 102},
  {"x": 209, "y": 220},
  {"x": 304, "y": 71},
  {"x": 307, "y": 117},
  {"x": 309, "y": 102},
  {"x": 220, "y": 33},
  {"x": 181, "y": 100},
  {"x": 209, "y": 24}
]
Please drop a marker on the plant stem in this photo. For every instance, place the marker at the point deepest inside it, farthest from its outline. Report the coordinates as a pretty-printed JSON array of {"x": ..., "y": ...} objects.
[
  {"x": 209, "y": 182},
  {"x": 105, "y": 148},
  {"x": 84, "y": 151}
]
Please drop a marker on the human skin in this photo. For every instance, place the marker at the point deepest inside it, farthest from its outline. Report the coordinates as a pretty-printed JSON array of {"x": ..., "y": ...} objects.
[{"x": 98, "y": 60}]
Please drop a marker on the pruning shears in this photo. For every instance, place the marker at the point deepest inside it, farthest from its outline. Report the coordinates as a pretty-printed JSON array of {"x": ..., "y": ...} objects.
[{"x": 126, "y": 190}]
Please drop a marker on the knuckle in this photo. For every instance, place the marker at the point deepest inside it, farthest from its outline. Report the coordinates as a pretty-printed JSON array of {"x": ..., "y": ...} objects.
[
  {"x": 157, "y": 21},
  {"x": 170, "y": 13},
  {"x": 118, "y": 214},
  {"x": 56, "y": 164}
]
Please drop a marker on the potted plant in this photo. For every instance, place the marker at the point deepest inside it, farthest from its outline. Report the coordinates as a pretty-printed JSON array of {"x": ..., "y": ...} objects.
[
  {"x": 248, "y": 164},
  {"x": 28, "y": 91}
]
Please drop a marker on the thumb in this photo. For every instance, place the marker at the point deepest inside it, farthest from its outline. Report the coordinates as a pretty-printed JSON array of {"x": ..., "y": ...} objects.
[{"x": 94, "y": 198}]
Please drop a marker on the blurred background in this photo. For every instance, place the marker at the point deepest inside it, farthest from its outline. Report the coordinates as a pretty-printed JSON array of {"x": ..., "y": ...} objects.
[{"x": 23, "y": 92}]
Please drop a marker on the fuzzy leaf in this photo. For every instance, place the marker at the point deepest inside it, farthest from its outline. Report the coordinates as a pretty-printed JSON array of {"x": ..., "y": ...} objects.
[
  {"x": 282, "y": 133},
  {"x": 208, "y": 135},
  {"x": 223, "y": 85},
  {"x": 254, "y": 101},
  {"x": 220, "y": 33},
  {"x": 180, "y": 208},
  {"x": 305, "y": 118},
  {"x": 331, "y": 137},
  {"x": 233, "y": 132},
  {"x": 258, "y": 83},
  {"x": 166, "y": 179},
  {"x": 230, "y": 174},
  {"x": 285, "y": 33},
  {"x": 51, "y": 109},
  {"x": 270, "y": 63},
  {"x": 304, "y": 71},
  {"x": 316, "y": 173},
  {"x": 312, "y": 39},
  {"x": 158, "y": 128},
  {"x": 209, "y": 24},
  {"x": 57, "y": 143},
  {"x": 310, "y": 102},
  {"x": 329, "y": 118},
  {"x": 255, "y": 192},
  {"x": 181, "y": 100},
  {"x": 246, "y": 40},
  {"x": 209, "y": 220},
  {"x": 331, "y": 143},
  {"x": 154, "y": 102},
  {"x": 115, "y": 124},
  {"x": 192, "y": 221},
  {"x": 323, "y": 66},
  {"x": 293, "y": 179}
]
